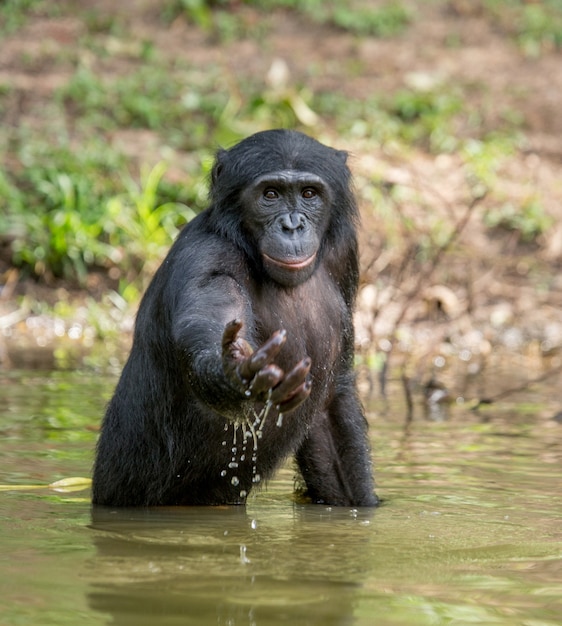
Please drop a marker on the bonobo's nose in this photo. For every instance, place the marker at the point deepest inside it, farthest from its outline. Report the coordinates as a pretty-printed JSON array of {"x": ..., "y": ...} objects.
[{"x": 292, "y": 222}]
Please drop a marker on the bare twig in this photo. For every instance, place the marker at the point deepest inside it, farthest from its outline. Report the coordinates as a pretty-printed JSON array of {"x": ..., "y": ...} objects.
[
  {"x": 523, "y": 387},
  {"x": 425, "y": 277}
]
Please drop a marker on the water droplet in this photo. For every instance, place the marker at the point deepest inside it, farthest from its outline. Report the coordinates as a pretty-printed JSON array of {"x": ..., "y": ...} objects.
[
  {"x": 280, "y": 420},
  {"x": 242, "y": 457},
  {"x": 223, "y": 443},
  {"x": 243, "y": 557},
  {"x": 234, "y": 450},
  {"x": 248, "y": 393},
  {"x": 254, "y": 524},
  {"x": 256, "y": 478},
  {"x": 243, "y": 493},
  {"x": 234, "y": 480},
  {"x": 223, "y": 473},
  {"x": 226, "y": 427},
  {"x": 233, "y": 464}
]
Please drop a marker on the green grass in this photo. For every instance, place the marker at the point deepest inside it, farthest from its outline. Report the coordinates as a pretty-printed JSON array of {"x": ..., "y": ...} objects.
[
  {"x": 220, "y": 18},
  {"x": 15, "y": 13},
  {"x": 537, "y": 27}
]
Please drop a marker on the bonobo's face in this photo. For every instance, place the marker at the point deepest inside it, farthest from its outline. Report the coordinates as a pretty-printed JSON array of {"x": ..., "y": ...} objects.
[{"x": 287, "y": 213}]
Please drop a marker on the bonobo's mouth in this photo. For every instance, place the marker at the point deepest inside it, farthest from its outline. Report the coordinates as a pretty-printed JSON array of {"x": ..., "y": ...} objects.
[{"x": 293, "y": 266}]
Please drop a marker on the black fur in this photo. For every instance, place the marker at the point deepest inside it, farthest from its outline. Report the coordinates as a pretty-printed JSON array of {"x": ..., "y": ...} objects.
[{"x": 174, "y": 406}]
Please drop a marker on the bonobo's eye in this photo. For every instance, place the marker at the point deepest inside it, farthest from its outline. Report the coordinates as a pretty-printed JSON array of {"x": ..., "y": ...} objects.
[
  {"x": 270, "y": 194},
  {"x": 308, "y": 193}
]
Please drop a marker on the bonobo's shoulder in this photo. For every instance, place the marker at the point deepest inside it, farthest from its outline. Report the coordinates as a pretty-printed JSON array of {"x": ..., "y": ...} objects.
[{"x": 198, "y": 248}]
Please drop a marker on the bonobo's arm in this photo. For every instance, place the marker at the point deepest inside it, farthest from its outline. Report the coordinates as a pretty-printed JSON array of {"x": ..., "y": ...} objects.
[
  {"x": 221, "y": 367},
  {"x": 254, "y": 372}
]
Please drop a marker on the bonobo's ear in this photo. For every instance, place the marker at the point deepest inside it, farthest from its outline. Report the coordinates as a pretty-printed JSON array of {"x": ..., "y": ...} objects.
[
  {"x": 220, "y": 158},
  {"x": 342, "y": 155}
]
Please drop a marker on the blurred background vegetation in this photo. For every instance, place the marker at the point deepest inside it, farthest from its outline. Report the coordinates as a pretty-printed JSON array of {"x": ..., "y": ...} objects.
[{"x": 111, "y": 115}]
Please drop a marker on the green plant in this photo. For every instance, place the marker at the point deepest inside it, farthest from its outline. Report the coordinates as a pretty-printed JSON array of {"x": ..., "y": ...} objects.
[
  {"x": 537, "y": 26},
  {"x": 540, "y": 28},
  {"x": 220, "y": 17},
  {"x": 62, "y": 238},
  {"x": 69, "y": 211},
  {"x": 427, "y": 115},
  {"x": 140, "y": 228},
  {"x": 430, "y": 117},
  {"x": 183, "y": 105},
  {"x": 388, "y": 20},
  {"x": 483, "y": 158},
  {"x": 197, "y": 11},
  {"x": 53, "y": 206},
  {"x": 14, "y": 13},
  {"x": 528, "y": 219}
]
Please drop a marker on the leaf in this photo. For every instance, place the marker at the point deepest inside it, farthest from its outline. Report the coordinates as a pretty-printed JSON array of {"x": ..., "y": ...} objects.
[{"x": 75, "y": 483}]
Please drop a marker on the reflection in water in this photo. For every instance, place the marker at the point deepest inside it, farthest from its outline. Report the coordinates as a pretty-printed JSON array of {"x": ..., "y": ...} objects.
[
  {"x": 218, "y": 565},
  {"x": 470, "y": 530}
]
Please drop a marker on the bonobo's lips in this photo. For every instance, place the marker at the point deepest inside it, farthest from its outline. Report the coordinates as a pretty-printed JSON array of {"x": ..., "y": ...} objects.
[{"x": 293, "y": 266}]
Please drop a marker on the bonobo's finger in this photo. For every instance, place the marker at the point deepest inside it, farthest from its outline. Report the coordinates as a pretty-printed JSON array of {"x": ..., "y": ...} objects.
[
  {"x": 263, "y": 355},
  {"x": 293, "y": 381},
  {"x": 230, "y": 332},
  {"x": 267, "y": 378},
  {"x": 300, "y": 395},
  {"x": 235, "y": 349}
]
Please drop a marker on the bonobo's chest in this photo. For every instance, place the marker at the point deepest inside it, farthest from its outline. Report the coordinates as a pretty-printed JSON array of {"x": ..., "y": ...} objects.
[{"x": 313, "y": 314}]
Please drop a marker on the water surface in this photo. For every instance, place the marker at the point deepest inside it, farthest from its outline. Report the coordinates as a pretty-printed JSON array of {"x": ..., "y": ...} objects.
[{"x": 470, "y": 530}]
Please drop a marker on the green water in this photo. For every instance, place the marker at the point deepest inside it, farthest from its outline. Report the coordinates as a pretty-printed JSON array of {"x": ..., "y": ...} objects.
[{"x": 470, "y": 531}]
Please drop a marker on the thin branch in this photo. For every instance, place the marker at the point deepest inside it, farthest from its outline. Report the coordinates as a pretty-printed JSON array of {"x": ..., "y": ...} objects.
[{"x": 523, "y": 387}]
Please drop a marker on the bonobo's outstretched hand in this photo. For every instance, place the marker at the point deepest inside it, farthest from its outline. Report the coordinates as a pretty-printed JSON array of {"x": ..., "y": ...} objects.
[{"x": 256, "y": 374}]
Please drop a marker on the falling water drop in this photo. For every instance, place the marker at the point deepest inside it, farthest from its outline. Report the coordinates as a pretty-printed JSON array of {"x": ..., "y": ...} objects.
[
  {"x": 235, "y": 481},
  {"x": 243, "y": 558}
]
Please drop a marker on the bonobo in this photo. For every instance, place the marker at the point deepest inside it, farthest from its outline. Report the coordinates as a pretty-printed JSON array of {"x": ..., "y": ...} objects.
[{"x": 243, "y": 346}]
